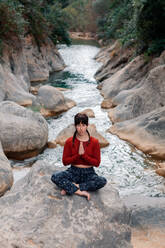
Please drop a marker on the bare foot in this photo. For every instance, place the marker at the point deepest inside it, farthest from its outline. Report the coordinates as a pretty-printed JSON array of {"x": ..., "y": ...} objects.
[
  {"x": 77, "y": 185},
  {"x": 63, "y": 192},
  {"x": 83, "y": 193}
]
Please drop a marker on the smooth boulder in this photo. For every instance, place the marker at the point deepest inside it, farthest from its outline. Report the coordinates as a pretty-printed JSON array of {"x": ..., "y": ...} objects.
[
  {"x": 146, "y": 132},
  {"x": 24, "y": 133},
  {"x": 89, "y": 113},
  {"x": 6, "y": 175},
  {"x": 34, "y": 214},
  {"x": 69, "y": 131},
  {"x": 53, "y": 101},
  {"x": 140, "y": 100}
]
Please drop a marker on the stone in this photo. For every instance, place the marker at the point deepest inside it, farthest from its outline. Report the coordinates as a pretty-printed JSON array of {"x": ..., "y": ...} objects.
[
  {"x": 146, "y": 132},
  {"x": 123, "y": 79},
  {"x": 13, "y": 86},
  {"x": 34, "y": 214},
  {"x": 51, "y": 144},
  {"x": 41, "y": 62},
  {"x": 53, "y": 101},
  {"x": 69, "y": 131},
  {"x": 107, "y": 103},
  {"x": 161, "y": 165},
  {"x": 147, "y": 215},
  {"x": 88, "y": 112},
  {"x": 139, "y": 101},
  {"x": 113, "y": 57},
  {"x": 160, "y": 172},
  {"x": 24, "y": 133},
  {"x": 34, "y": 90},
  {"x": 24, "y": 62},
  {"x": 6, "y": 175}
]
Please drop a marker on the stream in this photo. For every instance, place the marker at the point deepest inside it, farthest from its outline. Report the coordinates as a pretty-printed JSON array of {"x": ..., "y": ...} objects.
[{"x": 129, "y": 170}]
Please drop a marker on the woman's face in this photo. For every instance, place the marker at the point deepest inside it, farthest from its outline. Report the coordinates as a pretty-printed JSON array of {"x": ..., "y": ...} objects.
[{"x": 81, "y": 129}]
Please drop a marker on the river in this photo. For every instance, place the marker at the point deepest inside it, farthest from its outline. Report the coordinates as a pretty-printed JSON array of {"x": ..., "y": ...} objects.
[{"x": 128, "y": 169}]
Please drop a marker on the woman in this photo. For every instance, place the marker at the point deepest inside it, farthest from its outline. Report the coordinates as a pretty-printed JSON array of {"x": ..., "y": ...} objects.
[{"x": 83, "y": 153}]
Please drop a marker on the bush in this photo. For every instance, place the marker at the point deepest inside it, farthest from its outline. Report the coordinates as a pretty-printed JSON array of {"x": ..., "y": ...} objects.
[
  {"x": 41, "y": 18},
  {"x": 133, "y": 21}
]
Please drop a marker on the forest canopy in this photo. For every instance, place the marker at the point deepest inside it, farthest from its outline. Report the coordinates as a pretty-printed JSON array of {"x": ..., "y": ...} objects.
[
  {"x": 41, "y": 18},
  {"x": 138, "y": 23}
]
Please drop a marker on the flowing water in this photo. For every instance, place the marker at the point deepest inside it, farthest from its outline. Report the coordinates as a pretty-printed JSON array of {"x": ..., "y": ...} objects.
[{"x": 128, "y": 169}]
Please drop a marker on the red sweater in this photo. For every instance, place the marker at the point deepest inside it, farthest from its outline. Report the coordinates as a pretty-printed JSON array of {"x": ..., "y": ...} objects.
[{"x": 90, "y": 157}]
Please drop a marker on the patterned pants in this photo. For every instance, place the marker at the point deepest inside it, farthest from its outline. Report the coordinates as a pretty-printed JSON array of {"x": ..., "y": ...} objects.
[{"x": 87, "y": 179}]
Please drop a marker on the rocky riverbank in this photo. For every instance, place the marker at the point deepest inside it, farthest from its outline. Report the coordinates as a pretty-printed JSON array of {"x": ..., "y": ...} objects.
[
  {"x": 34, "y": 214},
  {"x": 24, "y": 133},
  {"x": 134, "y": 95}
]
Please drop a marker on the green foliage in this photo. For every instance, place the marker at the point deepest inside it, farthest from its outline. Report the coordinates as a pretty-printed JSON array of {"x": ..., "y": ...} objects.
[
  {"x": 56, "y": 18},
  {"x": 11, "y": 21},
  {"x": 150, "y": 28},
  {"x": 41, "y": 18},
  {"x": 133, "y": 21},
  {"x": 80, "y": 16}
]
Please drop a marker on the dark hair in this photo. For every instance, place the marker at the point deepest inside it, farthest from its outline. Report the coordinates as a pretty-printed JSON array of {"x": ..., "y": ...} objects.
[{"x": 80, "y": 118}]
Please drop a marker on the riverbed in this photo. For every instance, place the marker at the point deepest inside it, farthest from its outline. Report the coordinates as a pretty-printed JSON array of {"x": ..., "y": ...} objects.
[{"x": 128, "y": 169}]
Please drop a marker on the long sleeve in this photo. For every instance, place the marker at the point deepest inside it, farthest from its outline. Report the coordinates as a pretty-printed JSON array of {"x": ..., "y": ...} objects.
[
  {"x": 95, "y": 158},
  {"x": 68, "y": 158}
]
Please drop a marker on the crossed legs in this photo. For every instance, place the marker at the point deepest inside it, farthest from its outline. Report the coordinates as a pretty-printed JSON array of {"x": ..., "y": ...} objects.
[{"x": 78, "y": 184}]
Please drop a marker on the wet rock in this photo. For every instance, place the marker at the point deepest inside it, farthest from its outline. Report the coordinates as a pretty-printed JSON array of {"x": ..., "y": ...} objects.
[
  {"x": 53, "y": 101},
  {"x": 88, "y": 112},
  {"x": 69, "y": 131},
  {"x": 6, "y": 175},
  {"x": 34, "y": 214},
  {"x": 24, "y": 133},
  {"x": 146, "y": 132}
]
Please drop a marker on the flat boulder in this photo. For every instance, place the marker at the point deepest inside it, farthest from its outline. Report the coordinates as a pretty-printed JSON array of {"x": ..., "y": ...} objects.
[
  {"x": 24, "y": 133},
  {"x": 53, "y": 101},
  {"x": 34, "y": 214},
  {"x": 88, "y": 112},
  {"x": 146, "y": 132},
  {"x": 69, "y": 131},
  {"x": 6, "y": 175}
]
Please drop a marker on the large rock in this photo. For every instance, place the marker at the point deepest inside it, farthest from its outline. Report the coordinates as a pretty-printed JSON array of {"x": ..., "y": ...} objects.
[
  {"x": 89, "y": 112},
  {"x": 146, "y": 132},
  {"x": 69, "y": 131},
  {"x": 148, "y": 97},
  {"x": 24, "y": 62},
  {"x": 24, "y": 133},
  {"x": 146, "y": 211},
  {"x": 113, "y": 57},
  {"x": 34, "y": 214},
  {"x": 53, "y": 101},
  {"x": 41, "y": 61},
  {"x": 123, "y": 79},
  {"x": 147, "y": 220},
  {"x": 14, "y": 79},
  {"x": 6, "y": 175}
]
